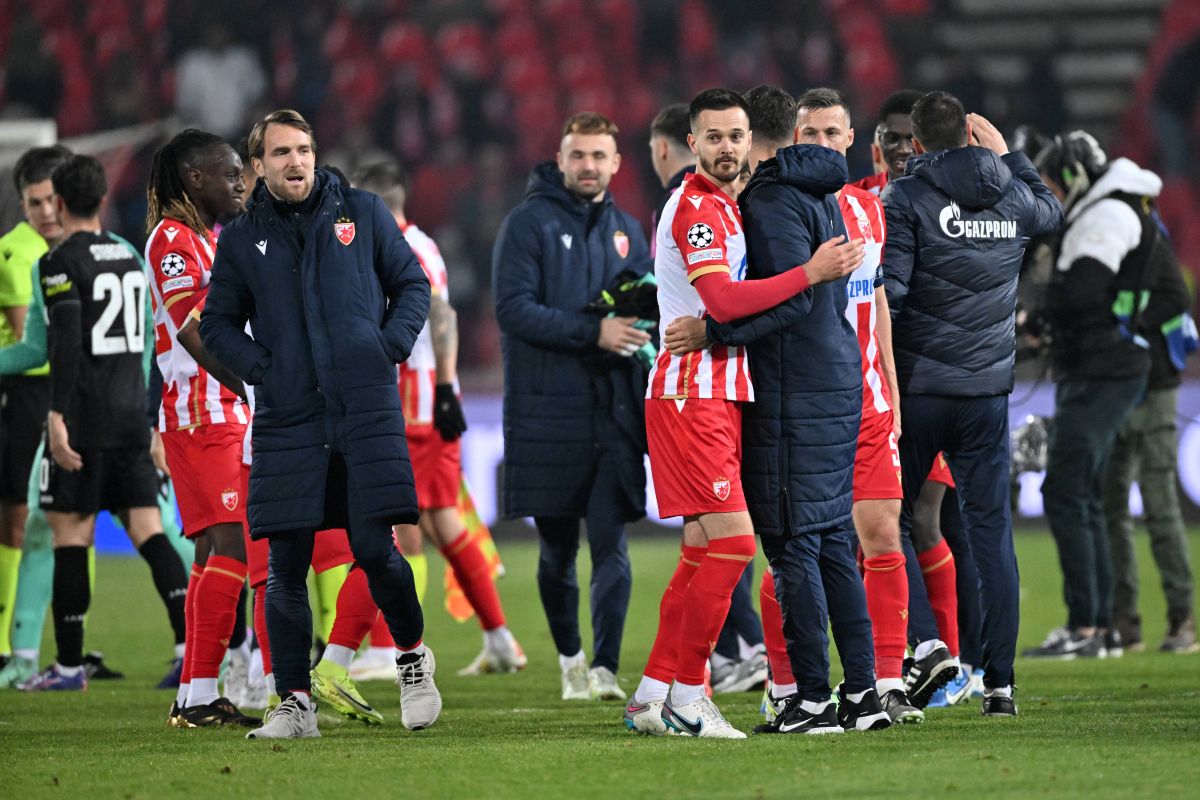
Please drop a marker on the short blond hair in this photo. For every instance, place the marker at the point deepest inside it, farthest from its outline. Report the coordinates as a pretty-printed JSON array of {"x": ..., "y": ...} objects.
[
  {"x": 283, "y": 116},
  {"x": 590, "y": 122}
]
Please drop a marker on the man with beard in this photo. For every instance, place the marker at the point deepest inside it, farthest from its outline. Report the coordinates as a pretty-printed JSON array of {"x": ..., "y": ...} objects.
[
  {"x": 574, "y": 435},
  {"x": 694, "y": 411}
]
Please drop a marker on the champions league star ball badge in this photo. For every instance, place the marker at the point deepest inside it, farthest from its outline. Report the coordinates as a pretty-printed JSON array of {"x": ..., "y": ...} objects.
[
  {"x": 721, "y": 488},
  {"x": 621, "y": 243},
  {"x": 229, "y": 498},
  {"x": 343, "y": 229},
  {"x": 700, "y": 235}
]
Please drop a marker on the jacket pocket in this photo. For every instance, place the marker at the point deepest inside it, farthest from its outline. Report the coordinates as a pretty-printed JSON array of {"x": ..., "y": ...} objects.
[{"x": 785, "y": 492}]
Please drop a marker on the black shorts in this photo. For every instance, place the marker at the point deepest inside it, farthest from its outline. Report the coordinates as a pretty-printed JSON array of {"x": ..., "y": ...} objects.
[
  {"x": 24, "y": 401},
  {"x": 111, "y": 480}
]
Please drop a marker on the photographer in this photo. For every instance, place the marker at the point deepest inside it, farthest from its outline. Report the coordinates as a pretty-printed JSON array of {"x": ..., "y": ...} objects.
[{"x": 1100, "y": 304}]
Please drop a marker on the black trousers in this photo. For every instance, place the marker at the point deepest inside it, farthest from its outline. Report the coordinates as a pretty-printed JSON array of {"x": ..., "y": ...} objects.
[
  {"x": 289, "y": 616},
  {"x": 1087, "y": 415},
  {"x": 612, "y": 576},
  {"x": 973, "y": 432}
]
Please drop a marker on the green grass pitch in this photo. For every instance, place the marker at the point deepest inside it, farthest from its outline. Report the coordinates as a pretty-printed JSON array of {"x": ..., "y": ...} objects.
[{"x": 1112, "y": 728}]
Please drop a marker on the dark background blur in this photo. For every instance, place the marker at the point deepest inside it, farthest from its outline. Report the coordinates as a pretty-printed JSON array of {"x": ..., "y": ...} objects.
[{"x": 469, "y": 94}]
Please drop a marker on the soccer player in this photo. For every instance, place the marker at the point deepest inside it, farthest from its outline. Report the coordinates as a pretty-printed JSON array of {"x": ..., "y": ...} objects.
[
  {"x": 693, "y": 417},
  {"x": 97, "y": 447},
  {"x": 802, "y": 431},
  {"x": 434, "y": 423},
  {"x": 893, "y": 144},
  {"x": 195, "y": 181}
]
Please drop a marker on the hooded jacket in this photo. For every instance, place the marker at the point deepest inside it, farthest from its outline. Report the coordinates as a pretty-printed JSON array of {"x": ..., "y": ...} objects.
[
  {"x": 565, "y": 399},
  {"x": 1113, "y": 251},
  {"x": 333, "y": 306},
  {"x": 957, "y": 225},
  {"x": 800, "y": 434}
]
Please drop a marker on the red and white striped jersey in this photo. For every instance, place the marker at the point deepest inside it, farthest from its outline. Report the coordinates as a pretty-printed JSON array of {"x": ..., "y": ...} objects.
[
  {"x": 418, "y": 375},
  {"x": 863, "y": 215},
  {"x": 179, "y": 263},
  {"x": 872, "y": 183},
  {"x": 700, "y": 233}
]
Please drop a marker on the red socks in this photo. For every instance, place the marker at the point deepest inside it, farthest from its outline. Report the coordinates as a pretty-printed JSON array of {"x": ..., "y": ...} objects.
[
  {"x": 356, "y": 611},
  {"x": 189, "y": 623},
  {"x": 886, "y": 584},
  {"x": 706, "y": 603},
  {"x": 772, "y": 621},
  {"x": 381, "y": 635},
  {"x": 937, "y": 564},
  {"x": 216, "y": 603},
  {"x": 260, "y": 625},
  {"x": 661, "y": 664},
  {"x": 474, "y": 575}
]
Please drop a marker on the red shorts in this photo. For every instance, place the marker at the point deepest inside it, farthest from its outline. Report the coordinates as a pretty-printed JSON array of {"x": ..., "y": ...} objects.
[
  {"x": 206, "y": 468},
  {"x": 695, "y": 456},
  {"x": 330, "y": 548},
  {"x": 877, "y": 460},
  {"x": 437, "y": 467},
  {"x": 941, "y": 471}
]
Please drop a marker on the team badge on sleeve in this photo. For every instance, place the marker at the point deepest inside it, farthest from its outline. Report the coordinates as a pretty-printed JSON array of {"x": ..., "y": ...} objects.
[
  {"x": 172, "y": 265},
  {"x": 700, "y": 235},
  {"x": 621, "y": 243},
  {"x": 343, "y": 229}
]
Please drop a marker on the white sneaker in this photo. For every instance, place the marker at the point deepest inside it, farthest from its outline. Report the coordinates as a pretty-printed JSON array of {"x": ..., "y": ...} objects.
[
  {"x": 420, "y": 701},
  {"x": 575, "y": 683},
  {"x": 602, "y": 685},
  {"x": 645, "y": 717},
  {"x": 291, "y": 719},
  {"x": 699, "y": 718},
  {"x": 745, "y": 676},
  {"x": 237, "y": 680},
  {"x": 503, "y": 658},
  {"x": 377, "y": 664}
]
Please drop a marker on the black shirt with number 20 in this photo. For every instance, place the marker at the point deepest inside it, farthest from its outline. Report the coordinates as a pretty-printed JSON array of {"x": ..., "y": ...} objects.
[{"x": 95, "y": 293}]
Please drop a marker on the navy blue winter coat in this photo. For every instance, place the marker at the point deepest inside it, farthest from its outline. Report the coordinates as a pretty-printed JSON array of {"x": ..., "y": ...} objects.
[
  {"x": 800, "y": 433},
  {"x": 329, "y": 324},
  {"x": 957, "y": 225},
  {"x": 565, "y": 399}
]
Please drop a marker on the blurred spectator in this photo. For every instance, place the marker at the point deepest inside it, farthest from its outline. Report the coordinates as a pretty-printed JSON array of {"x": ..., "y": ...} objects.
[
  {"x": 32, "y": 76},
  {"x": 1175, "y": 108},
  {"x": 218, "y": 83}
]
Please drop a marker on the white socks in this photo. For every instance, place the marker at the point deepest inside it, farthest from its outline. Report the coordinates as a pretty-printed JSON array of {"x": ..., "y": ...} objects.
[
  {"x": 567, "y": 662},
  {"x": 649, "y": 689},
  {"x": 682, "y": 693},
  {"x": 337, "y": 654},
  {"x": 885, "y": 685}
]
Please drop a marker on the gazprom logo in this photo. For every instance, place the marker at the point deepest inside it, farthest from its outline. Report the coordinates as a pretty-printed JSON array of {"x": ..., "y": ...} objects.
[{"x": 954, "y": 226}]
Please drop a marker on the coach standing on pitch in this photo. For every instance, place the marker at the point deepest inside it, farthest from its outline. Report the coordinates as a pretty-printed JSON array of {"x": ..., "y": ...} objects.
[
  {"x": 335, "y": 299},
  {"x": 957, "y": 223},
  {"x": 574, "y": 433}
]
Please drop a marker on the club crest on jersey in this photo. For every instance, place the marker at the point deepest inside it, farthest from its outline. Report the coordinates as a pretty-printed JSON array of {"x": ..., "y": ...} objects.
[
  {"x": 721, "y": 488},
  {"x": 229, "y": 498},
  {"x": 621, "y": 243},
  {"x": 700, "y": 235},
  {"x": 343, "y": 229}
]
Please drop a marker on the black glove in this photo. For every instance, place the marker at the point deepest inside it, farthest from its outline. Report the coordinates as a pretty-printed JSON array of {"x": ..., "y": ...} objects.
[{"x": 447, "y": 412}]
